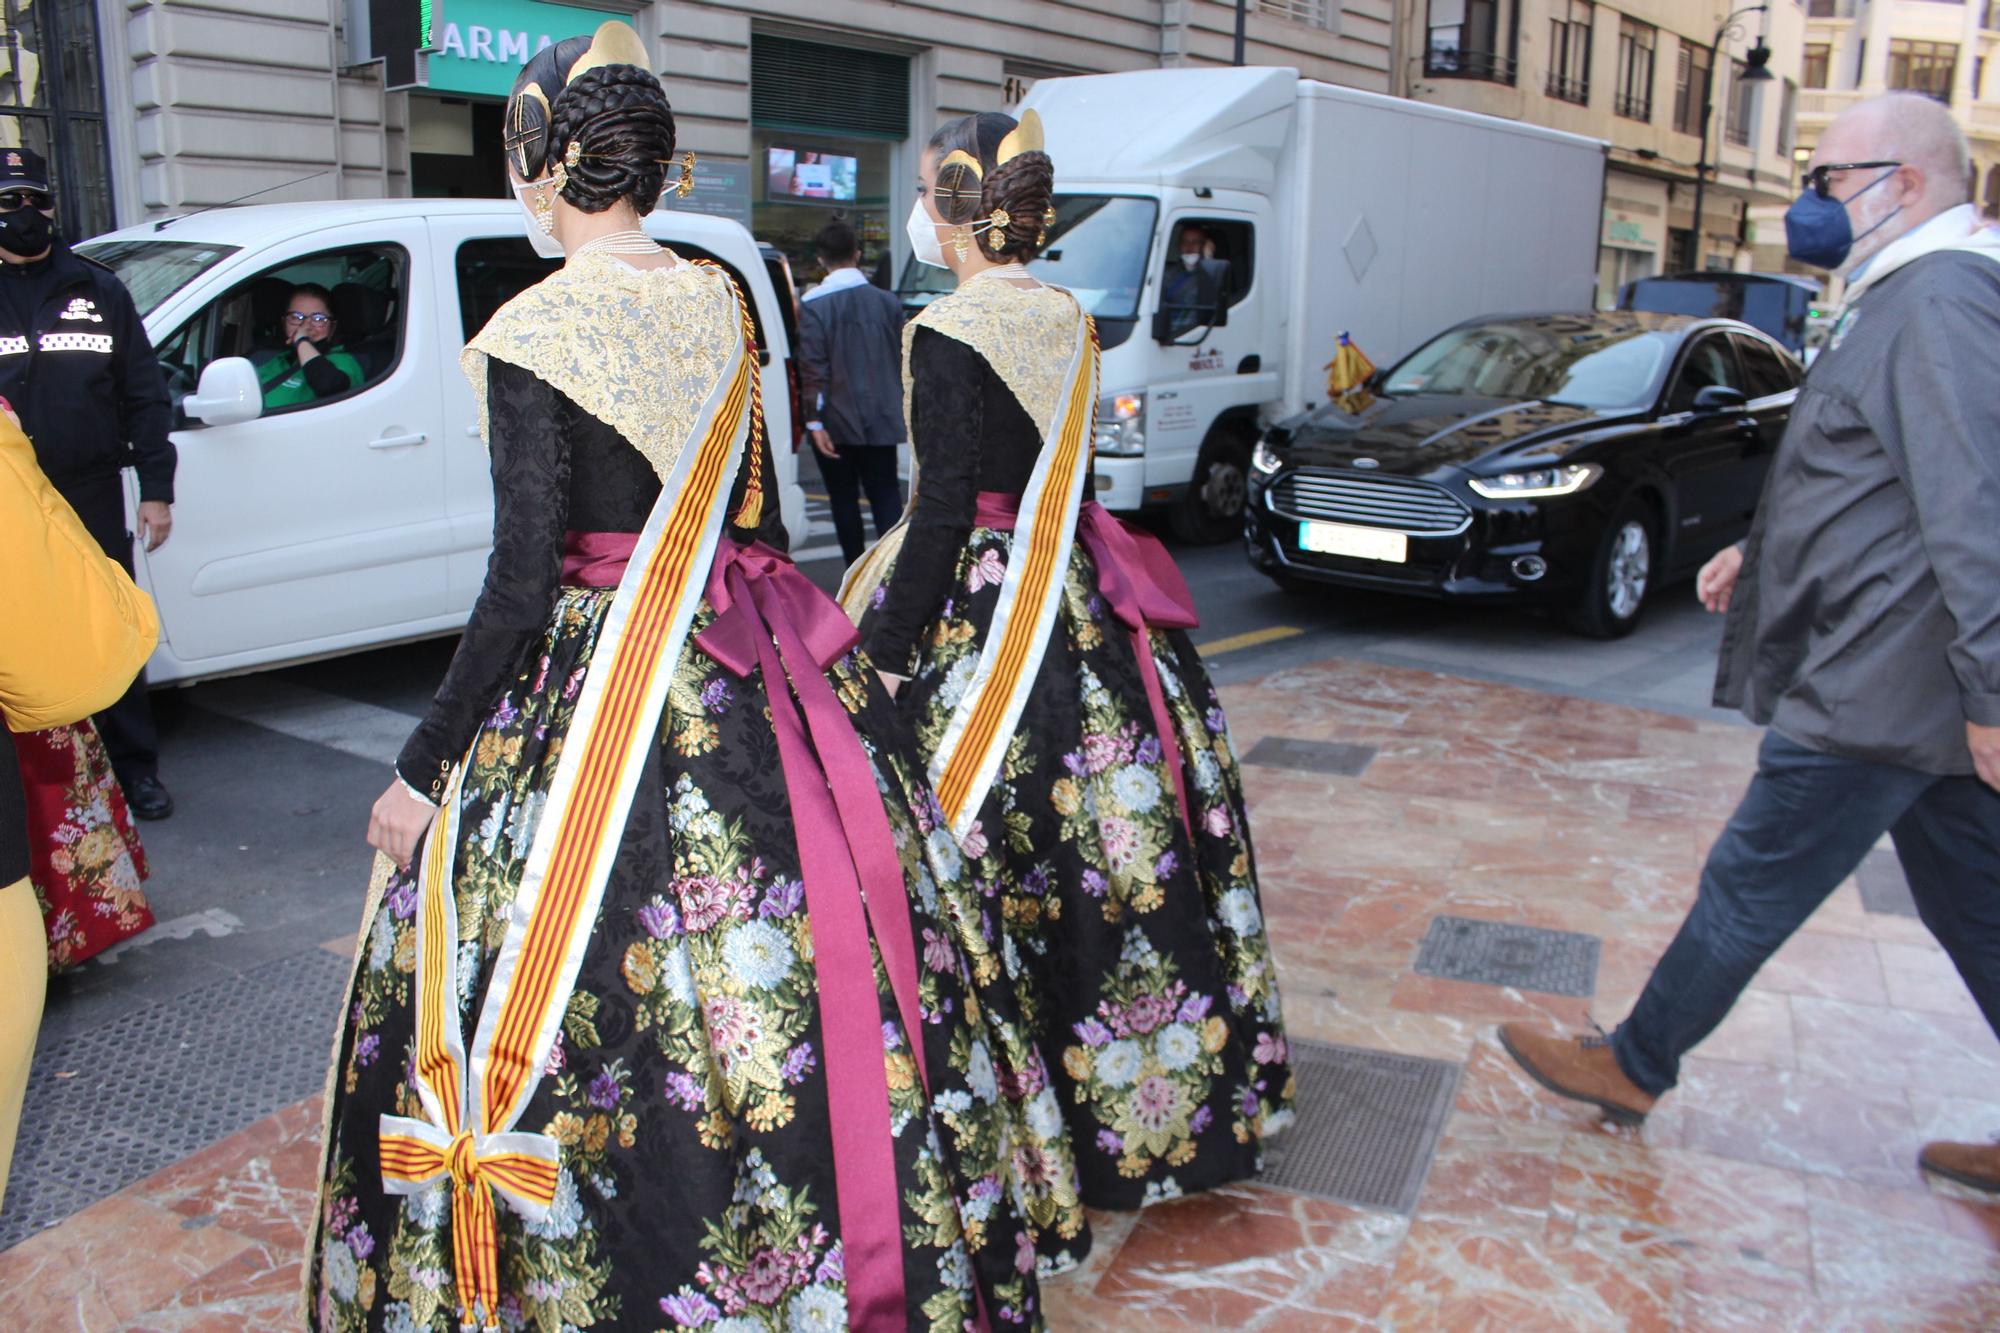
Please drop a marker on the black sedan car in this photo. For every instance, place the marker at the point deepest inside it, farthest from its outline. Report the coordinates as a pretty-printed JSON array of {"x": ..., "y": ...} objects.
[{"x": 1576, "y": 461}]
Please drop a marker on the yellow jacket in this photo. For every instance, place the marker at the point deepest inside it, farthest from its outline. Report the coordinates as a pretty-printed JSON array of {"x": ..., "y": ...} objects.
[{"x": 74, "y": 631}]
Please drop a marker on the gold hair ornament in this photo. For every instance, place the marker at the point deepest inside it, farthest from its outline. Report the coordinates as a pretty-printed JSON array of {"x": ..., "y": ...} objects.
[
  {"x": 614, "y": 43},
  {"x": 571, "y": 156},
  {"x": 685, "y": 186},
  {"x": 1025, "y": 137}
]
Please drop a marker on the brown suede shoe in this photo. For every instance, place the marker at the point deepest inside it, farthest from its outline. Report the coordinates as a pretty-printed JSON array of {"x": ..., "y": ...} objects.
[
  {"x": 1582, "y": 1068},
  {"x": 1976, "y": 1165}
]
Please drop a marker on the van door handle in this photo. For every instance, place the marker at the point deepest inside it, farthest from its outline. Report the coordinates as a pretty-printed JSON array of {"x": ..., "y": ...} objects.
[{"x": 398, "y": 441}]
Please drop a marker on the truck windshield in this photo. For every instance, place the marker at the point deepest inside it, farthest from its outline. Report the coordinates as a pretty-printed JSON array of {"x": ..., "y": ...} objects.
[
  {"x": 1098, "y": 247},
  {"x": 154, "y": 270},
  {"x": 1560, "y": 361}
]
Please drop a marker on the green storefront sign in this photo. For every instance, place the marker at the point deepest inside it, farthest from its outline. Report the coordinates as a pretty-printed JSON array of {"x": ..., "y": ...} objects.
[{"x": 482, "y": 44}]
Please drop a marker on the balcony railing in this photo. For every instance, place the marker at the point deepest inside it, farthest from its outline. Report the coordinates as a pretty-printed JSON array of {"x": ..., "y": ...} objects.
[
  {"x": 1487, "y": 65},
  {"x": 1569, "y": 90},
  {"x": 1818, "y": 104},
  {"x": 1316, "y": 13},
  {"x": 1634, "y": 107}
]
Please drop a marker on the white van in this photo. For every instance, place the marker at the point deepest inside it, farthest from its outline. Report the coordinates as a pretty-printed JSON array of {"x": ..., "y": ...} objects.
[{"x": 362, "y": 519}]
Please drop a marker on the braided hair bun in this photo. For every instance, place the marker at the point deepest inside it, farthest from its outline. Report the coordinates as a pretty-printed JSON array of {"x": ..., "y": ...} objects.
[
  {"x": 623, "y": 127},
  {"x": 1022, "y": 186}
]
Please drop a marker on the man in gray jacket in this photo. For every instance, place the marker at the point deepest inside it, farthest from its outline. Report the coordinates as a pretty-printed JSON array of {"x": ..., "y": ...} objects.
[{"x": 1863, "y": 618}]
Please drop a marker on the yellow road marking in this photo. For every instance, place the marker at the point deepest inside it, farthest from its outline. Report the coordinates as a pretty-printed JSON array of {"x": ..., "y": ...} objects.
[{"x": 1250, "y": 640}]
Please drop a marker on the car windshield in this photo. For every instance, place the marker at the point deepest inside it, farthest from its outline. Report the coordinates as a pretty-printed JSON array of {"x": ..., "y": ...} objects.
[
  {"x": 1574, "y": 362},
  {"x": 154, "y": 270},
  {"x": 1098, "y": 247}
]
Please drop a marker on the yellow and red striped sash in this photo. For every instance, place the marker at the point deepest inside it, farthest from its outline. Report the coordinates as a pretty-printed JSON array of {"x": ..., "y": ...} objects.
[
  {"x": 983, "y": 722},
  {"x": 472, "y": 1101}
]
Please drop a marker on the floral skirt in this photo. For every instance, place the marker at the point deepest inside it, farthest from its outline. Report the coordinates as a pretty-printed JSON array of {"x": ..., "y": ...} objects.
[
  {"x": 85, "y": 859},
  {"x": 687, "y": 1088},
  {"x": 1132, "y": 934}
]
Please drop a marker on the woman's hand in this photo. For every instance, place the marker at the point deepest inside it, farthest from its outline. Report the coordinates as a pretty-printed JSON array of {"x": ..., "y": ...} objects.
[{"x": 397, "y": 822}]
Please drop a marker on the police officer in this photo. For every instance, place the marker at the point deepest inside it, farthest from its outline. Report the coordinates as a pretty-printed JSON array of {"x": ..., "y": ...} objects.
[{"x": 77, "y": 366}]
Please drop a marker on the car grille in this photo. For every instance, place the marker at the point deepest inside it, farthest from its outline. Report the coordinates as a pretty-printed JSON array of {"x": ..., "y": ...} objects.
[{"x": 1370, "y": 501}]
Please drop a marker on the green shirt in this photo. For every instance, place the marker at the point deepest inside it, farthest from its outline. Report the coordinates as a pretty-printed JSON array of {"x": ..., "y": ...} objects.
[{"x": 284, "y": 379}]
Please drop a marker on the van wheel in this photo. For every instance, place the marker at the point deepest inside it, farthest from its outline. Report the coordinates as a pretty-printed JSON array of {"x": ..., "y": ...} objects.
[
  {"x": 1622, "y": 575},
  {"x": 1212, "y": 510}
]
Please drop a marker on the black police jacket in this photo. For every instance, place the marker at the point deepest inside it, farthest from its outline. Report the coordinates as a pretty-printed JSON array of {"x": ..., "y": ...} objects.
[{"x": 77, "y": 367}]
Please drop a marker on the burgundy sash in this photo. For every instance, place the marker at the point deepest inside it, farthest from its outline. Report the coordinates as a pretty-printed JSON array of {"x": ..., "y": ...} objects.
[
  {"x": 1143, "y": 587},
  {"x": 596, "y": 559}
]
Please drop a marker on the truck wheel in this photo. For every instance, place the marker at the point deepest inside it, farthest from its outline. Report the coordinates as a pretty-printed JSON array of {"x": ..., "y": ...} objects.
[
  {"x": 1212, "y": 510},
  {"x": 1622, "y": 575}
]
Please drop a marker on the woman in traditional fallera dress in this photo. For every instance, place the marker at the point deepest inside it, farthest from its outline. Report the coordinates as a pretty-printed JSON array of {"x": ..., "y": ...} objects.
[
  {"x": 627, "y": 1046},
  {"x": 1078, "y": 746}
]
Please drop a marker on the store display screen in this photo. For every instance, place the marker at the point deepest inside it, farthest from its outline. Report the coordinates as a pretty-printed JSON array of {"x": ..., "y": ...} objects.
[{"x": 804, "y": 173}]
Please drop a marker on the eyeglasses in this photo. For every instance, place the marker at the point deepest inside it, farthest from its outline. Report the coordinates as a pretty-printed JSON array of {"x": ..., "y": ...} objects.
[
  {"x": 301, "y": 317},
  {"x": 1819, "y": 179},
  {"x": 14, "y": 200}
]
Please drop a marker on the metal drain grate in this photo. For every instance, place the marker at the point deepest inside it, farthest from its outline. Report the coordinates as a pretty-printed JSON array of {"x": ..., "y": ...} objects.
[
  {"x": 1884, "y": 890},
  {"x": 111, "y": 1106},
  {"x": 1499, "y": 953},
  {"x": 1368, "y": 1126},
  {"x": 1335, "y": 757}
]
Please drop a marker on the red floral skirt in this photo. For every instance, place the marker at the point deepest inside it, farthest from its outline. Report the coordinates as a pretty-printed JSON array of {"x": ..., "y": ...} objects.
[{"x": 85, "y": 860}]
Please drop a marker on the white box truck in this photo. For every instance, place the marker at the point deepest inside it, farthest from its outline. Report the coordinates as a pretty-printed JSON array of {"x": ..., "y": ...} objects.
[{"x": 1310, "y": 210}]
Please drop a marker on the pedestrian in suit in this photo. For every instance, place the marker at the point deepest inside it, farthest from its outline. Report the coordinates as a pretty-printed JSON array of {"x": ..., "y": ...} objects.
[{"x": 850, "y": 372}]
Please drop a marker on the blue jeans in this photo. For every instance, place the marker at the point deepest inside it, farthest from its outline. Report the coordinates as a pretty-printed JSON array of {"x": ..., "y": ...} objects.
[{"x": 1805, "y": 824}]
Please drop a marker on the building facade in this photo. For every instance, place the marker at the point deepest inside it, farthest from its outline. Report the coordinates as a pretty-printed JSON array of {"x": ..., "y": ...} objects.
[
  {"x": 1855, "y": 49},
  {"x": 1661, "y": 82},
  {"x": 794, "y": 107}
]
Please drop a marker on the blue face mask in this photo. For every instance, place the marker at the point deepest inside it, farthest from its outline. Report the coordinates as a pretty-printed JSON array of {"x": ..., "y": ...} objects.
[{"x": 1817, "y": 229}]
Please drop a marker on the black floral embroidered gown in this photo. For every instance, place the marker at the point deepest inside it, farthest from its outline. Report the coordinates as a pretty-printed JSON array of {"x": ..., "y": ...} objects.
[
  {"x": 687, "y": 1087},
  {"x": 1131, "y": 933}
]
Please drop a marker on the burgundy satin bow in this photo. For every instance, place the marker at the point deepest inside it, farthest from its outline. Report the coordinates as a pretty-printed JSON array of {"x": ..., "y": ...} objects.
[
  {"x": 770, "y": 618},
  {"x": 596, "y": 559},
  {"x": 1144, "y": 589}
]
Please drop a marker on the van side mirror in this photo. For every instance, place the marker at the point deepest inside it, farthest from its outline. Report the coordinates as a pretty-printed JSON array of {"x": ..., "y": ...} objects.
[
  {"x": 229, "y": 393},
  {"x": 1717, "y": 399}
]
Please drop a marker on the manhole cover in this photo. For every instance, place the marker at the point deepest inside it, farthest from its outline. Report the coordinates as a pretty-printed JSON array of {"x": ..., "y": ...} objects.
[
  {"x": 1884, "y": 890},
  {"x": 1311, "y": 756},
  {"x": 1499, "y": 953},
  {"x": 111, "y": 1106},
  {"x": 1368, "y": 1126}
]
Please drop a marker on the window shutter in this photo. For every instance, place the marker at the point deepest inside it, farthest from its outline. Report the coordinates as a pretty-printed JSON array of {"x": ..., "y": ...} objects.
[{"x": 807, "y": 86}]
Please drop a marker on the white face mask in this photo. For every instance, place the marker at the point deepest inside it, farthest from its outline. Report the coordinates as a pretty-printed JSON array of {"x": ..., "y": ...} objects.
[
  {"x": 545, "y": 243},
  {"x": 1189, "y": 260},
  {"x": 924, "y": 242}
]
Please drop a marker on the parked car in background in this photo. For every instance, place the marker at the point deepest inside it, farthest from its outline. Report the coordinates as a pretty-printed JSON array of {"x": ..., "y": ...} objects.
[
  {"x": 365, "y": 518},
  {"x": 1573, "y": 461},
  {"x": 1780, "y": 305}
]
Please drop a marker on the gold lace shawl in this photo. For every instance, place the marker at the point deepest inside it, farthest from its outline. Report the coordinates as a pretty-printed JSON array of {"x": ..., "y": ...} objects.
[
  {"x": 640, "y": 350},
  {"x": 1027, "y": 335}
]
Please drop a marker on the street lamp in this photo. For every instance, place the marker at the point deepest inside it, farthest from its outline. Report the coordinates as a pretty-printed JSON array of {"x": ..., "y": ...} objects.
[
  {"x": 1242, "y": 19},
  {"x": 1758, "y": 58}
]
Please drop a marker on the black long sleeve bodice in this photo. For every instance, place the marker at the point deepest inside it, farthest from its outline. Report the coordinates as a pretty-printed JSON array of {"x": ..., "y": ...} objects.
[
  {"x": 556, "y": 469},
  {"x": 970, "y": 434}
]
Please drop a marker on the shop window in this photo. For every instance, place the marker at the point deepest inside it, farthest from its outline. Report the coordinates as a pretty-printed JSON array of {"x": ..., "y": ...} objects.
[
  {"x": 52, "y": 101},
  {"x": 362, "y": 291}
]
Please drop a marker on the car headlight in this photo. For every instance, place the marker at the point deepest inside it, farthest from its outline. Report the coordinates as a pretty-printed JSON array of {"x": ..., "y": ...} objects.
[
  {"x": 1266, "y": 459},
  {"x": 1541, "y": 483},
  {"x": 1121, "y": 425}
]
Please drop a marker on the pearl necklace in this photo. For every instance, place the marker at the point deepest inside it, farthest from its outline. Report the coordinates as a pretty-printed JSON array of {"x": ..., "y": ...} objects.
[
  {"x": 1006, "y": 272},
  {"x": 628, "y": 242}
]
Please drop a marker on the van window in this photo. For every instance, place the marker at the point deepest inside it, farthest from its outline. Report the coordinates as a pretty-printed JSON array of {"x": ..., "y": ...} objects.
[
  {"x": 349, "y": 303},
  {"x": 493, "y": 270},
  {"x": 1224, "y": 255}
]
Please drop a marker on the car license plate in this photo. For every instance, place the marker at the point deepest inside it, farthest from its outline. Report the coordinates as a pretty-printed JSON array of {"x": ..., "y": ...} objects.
[{"x": 1357, "y": 543}]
